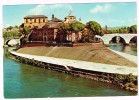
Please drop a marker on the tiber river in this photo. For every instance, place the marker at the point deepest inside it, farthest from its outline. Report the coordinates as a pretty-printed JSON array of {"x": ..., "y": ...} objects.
[{"x": 26, "y": 81}]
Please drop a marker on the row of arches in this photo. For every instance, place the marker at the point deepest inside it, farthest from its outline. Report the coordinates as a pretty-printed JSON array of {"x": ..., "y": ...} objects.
[{"x": 119, "y": 40}]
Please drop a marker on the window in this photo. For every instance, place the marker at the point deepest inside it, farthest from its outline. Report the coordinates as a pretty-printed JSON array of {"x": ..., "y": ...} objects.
[
  {"x": 39, "y": 20},
  {"x": 26, "y": 20},
  {"x": 43, "y": 20},
  {"x": 35, "y": 20}
]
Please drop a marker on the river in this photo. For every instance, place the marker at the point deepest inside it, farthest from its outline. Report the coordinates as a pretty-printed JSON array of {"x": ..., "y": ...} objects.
[
  {"x": 130, "y": 49},
  {"x": 26, "y": 81}
]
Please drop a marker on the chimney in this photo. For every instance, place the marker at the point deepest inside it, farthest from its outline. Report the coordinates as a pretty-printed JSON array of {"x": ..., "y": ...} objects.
[{"x": 53, "y": 17}]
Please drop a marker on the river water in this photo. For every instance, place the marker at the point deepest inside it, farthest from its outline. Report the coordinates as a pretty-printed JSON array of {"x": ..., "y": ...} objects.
[{"x": 26, "y": 81}]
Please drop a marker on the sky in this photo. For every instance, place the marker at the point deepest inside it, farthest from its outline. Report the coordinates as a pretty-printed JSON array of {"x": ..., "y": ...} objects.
[{"x": 111, "y": 14}]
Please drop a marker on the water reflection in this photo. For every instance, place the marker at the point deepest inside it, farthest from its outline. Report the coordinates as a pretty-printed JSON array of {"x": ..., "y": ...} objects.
[{"x": 130, "y": 49}]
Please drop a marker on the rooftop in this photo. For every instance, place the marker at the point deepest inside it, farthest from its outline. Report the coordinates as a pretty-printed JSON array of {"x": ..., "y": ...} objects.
[
  {"x": 36, "y": 16},
  {"x": 56, "y": 20},
  {"x": 51, "y": 25}
]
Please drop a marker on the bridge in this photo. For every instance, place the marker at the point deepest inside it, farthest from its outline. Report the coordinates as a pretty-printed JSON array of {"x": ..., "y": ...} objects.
[
  {"x": 12, "y": 41},
  {"x": 106, "y": 38}
]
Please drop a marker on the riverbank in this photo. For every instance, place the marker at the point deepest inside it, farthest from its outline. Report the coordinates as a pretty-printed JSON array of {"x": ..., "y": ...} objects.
[
  {"x": 84, "y": 53},
  {"x": 111, "y": 74}
]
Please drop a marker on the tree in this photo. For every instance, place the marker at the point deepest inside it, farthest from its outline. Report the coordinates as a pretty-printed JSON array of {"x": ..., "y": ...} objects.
[
  {"x": 77, "y": 27},
  {"x": 133, "y": 29},
  {"x": 10, "y": 32},
  {"x": 25, "y": 32},
  {"x": 94, "y": 28},
  {"x": 120, "y": 30},
  {"x": 10, "y": 27},
  {"x": 64, "y": 29}
]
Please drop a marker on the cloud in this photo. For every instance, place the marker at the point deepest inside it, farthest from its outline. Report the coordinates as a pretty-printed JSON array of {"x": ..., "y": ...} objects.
[
  {"x": 47, "y": 9},
  {"x": 101, "y": 8}
]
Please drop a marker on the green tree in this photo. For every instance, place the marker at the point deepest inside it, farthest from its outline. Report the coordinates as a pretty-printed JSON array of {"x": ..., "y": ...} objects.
[
  {"x": 133, "y": 29},
  {"x": 10, "y": 27},
  {"x": 25, "y": 32},
  {"x": 112, "y": 31},
  {"x": 120, "y": 30},
  {"x": 94, "y": 28},
  {"x": 77, "y": 27},
  {"x": 65, "y": 29},
  {"x": 9, "y": 32},
  {"x": 16, "y": 26}
]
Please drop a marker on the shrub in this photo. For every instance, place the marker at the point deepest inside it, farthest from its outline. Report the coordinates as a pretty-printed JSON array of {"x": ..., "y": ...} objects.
[
  {"x": 119, "y": 79},
  {"x": 131, "y": 85},
  {"x": 131, "y": 78}
]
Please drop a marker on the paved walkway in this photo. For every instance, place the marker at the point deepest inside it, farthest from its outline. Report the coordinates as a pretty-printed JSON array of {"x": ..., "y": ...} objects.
[
  {"x": 127, "y": 56},
  {"x": 82, "y": 64}
]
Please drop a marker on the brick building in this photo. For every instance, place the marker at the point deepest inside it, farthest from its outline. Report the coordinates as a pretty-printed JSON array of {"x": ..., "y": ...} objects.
[{"x": 47, "y": 32}]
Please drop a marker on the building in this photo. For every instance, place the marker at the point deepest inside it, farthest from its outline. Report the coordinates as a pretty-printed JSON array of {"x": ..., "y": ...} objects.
[
  {"x": 46, "y": 33},
  {"x": 35, "y": 20},
  {"x": 70, "y": 18}
]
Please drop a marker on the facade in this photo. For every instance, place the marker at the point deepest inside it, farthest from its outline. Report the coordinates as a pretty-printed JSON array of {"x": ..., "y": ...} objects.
[
  {"x": 35, "y": 20},
  {"x": 46, "y": 33},
  {"x": 74, "y": 37},
  {"x": 71, "y": 37}
]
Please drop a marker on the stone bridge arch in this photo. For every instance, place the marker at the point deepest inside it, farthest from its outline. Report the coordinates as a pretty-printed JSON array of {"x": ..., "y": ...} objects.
[
  {"x": 107, "y": 37},
  {"x": 135, "y": 37},
  {"x": 121, "y": 39},
  {"x": 13, "y": 41},
  {"x": 6, "y": 42}
]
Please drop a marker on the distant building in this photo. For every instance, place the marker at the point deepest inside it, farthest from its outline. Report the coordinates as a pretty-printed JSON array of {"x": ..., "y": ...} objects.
[
  {"x": 35, "y": 20},
  {"x": 70, "y": 18}
]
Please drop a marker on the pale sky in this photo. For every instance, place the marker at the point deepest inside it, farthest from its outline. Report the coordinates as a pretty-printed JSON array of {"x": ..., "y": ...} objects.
[{"x": 110, "y": 14}]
